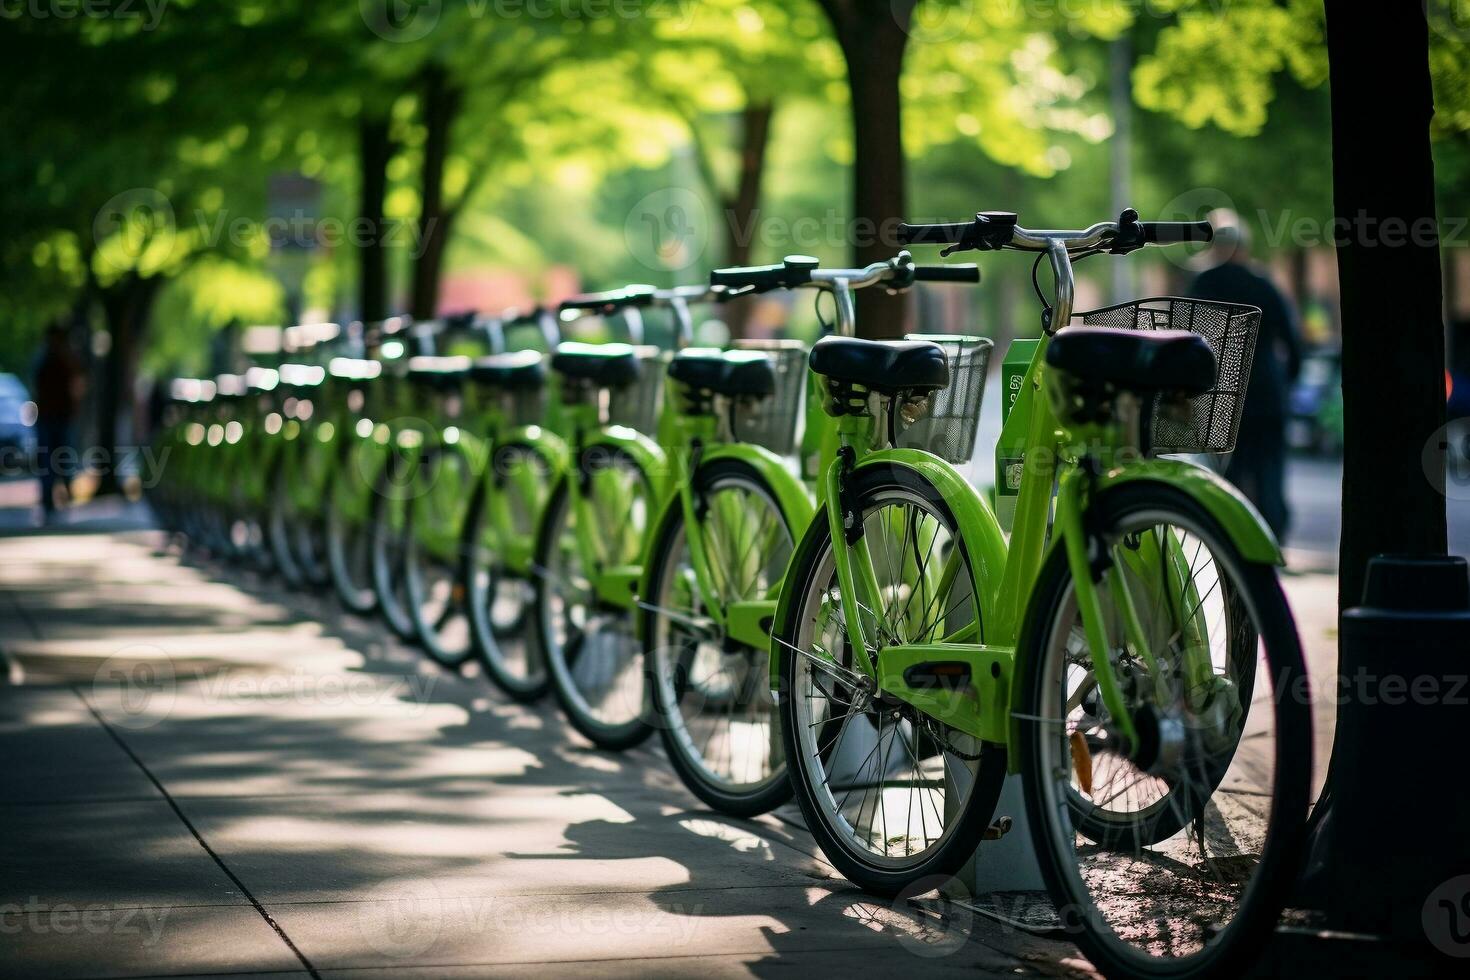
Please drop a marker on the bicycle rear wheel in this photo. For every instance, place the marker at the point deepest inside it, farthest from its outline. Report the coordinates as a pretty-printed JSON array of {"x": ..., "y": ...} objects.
[
  {"x": 1175, "y": 848},
  {"x": 893, "y": 795},
  {"x": 711, "y": 695}
]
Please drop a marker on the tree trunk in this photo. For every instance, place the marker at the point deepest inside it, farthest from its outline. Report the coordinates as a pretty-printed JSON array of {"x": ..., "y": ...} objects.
[
  {"x": 375, "y": 150},
  {"x": 442, "y": 101},
  {"x": 872, "y": 37},
  {"x": 1301, "y": 279},
  {"x": 1388, "y": 266},
  {"x": 127, "y": 306},
  {"x": 741, "y": 208}
]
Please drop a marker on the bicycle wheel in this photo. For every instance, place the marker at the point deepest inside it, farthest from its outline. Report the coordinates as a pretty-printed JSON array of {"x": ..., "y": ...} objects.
[
  {"x": 393, "y": 495},
  {"x": 1174, "y": 850},
  {"x": 277, "y": 525},
  {"x": 306, "y": 526},
  {"x": 349, "y": 549},
  {"x": 433, "y": 529},
  {"x": 711, "y": 694},
  {"x": 593, "y": 654},
  {"x": 499, "y": 596},
  {"x": 892, "y": 794}
]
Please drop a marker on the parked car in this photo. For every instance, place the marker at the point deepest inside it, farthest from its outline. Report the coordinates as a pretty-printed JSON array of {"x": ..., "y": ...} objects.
[
  {"x": 1314, "y": 420},
  {"x": 17, "y": 426}
]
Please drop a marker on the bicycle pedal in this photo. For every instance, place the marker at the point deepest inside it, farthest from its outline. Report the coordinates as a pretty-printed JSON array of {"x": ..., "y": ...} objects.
[{"x": 998, "y": 829}]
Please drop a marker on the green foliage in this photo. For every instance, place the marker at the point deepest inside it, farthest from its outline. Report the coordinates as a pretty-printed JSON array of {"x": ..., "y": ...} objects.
[{"x": 139, "y": 151}]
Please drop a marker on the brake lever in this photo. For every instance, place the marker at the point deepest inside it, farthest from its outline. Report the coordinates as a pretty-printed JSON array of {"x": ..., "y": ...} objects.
[{"x": 1130, "y": 234}]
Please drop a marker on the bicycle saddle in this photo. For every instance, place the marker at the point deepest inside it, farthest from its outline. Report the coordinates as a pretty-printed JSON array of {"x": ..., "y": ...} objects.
[
  {"x": 1135, "y": 360},
  {"x": 437, "y": 372},
  {"x": 518, "y": 369},
  {"x": 732, "y": 373},
  {"x": 885, "y": 366},
  {"x": 604, "y": 365}
]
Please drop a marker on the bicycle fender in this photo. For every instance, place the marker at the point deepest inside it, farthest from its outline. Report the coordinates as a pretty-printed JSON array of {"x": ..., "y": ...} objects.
[
  {"x": 979, "y": 529},
  {"x": 978, "y": 526},
  {"x": 645, "y": 452},
  {"x": 791, "y": 494},
  {"x": 1222, "y": 500},
  {"x": 552, "y": 446}
]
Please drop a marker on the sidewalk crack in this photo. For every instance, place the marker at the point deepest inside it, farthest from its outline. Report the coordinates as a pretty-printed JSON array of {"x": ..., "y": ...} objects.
[{"x": 189, "y": 825}]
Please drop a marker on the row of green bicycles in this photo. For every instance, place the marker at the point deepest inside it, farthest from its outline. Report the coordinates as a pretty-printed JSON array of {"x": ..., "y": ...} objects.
[{"x": 772, "y": 556}]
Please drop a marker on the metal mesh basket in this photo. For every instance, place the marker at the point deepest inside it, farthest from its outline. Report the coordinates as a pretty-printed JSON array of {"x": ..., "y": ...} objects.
[
  {"x": 1213, "y": 418},
  {"x": 947, "y": 428},
  {"x": 636, "y": 406},
  {"x": 772, "y": 422}
]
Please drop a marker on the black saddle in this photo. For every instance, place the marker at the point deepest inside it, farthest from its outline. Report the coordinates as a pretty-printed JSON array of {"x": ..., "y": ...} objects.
[
  {"x": 885, "y": 366},
  {"x": 439, "y": 373},
  {"x": 602, "y": 365},
  {"x": 520, "y": 369},
  {"x": 1135, "y": 360},
  {"x": 733, "y": 373}
]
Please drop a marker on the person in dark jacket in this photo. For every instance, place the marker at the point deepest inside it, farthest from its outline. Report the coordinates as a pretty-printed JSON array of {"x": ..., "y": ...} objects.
[
  {"x": 1258, "y": 465},
  {"x": 58, "y": 394}
]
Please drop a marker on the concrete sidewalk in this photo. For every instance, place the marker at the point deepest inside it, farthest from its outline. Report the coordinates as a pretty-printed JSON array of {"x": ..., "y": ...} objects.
[{"x": 212, "y": 778}]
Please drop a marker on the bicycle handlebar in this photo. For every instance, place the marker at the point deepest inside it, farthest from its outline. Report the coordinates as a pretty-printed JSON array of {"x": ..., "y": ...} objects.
[
  {"x": 1176, "y": 232},
  {"x": 629, "y": 297},
  {"x": 967, "y": 272},
  {"x": 994, "y": 230},
  {"x": 796, "y": 271}
]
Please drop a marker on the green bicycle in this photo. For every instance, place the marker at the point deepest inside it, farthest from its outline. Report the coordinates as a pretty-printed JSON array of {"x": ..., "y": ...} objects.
[
  {"x": 511, "y": 396},
  {"x": 364, "y": 393},
  {"x": 721, "y": 545},
  {"x": 588, "y": 558},
  {"x": 1128, "y": 650},
  {"x": 449, "y": 604},
  {"x": 297, "y": 527}
]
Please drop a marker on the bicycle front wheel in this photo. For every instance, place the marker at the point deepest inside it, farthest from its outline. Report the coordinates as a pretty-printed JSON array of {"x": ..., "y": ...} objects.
[
  {"x": 711, "y": 694},
  {"x": 892, "y": 794},
  {"x": 394, "y": 491},
  {"x": 500, "y": 588},
  {"x": 432, "y": 564},
  {"x": 593, "y": 653},
  {"x": 1170, "y": 850}
]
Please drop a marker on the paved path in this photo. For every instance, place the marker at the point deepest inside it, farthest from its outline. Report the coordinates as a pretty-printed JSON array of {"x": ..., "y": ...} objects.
[{"x": 209, "y": 779}]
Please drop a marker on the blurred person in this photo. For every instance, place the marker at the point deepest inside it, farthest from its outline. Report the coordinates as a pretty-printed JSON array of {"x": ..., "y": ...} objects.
[
  {"x": 1258, "y": 465},
  {"x": 58, "y": 390}
]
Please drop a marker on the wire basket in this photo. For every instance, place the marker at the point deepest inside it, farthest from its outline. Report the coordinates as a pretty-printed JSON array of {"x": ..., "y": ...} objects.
[
  {"x": 772, "y": 422},
  {"x": 948, "y": 427},
  {"x": 636, "y": 405},
  {"x": 1213, "y": 418}
]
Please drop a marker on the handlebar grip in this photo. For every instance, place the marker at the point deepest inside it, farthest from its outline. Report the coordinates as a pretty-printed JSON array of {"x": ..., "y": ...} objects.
[
  {"x": 946, "y": 233},
  {"x": 611, "y": 302},
  {"x": 795, "y": 271},
  {"x": 968, "y": 272},
  {"x": 1176, "y": 232},
  {"x": 759, "y": 277}
]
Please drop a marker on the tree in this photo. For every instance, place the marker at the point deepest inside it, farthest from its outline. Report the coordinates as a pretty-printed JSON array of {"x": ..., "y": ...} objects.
[
  {"x": 1389, "y": 270},
  {"x": 873, "y": 36}
]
